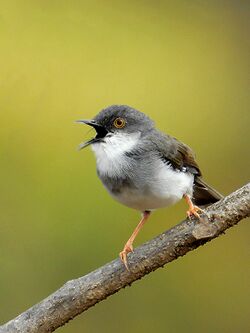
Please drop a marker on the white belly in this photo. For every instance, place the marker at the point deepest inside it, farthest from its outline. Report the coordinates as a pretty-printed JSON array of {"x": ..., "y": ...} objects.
[
  {"x": 153, "y": 183},
  {"x": 165, "y": 188}
]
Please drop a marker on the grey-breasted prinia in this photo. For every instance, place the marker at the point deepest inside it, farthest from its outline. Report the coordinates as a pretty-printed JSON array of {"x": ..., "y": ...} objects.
[{"x": 143, "y": 168}]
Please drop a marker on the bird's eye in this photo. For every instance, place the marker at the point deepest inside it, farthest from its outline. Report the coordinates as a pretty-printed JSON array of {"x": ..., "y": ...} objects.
[{"x": 119, "y": 122}]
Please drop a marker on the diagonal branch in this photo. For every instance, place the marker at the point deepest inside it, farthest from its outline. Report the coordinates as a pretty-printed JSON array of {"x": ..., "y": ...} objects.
[{"x": 78, "y": 295}]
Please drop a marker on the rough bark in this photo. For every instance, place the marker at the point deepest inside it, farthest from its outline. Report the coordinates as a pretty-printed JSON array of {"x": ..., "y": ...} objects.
[{"x": 78, "y": 295}]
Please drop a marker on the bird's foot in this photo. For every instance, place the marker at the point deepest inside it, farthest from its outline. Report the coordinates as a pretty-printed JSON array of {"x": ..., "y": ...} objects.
[
  {"x": 123, "y": 254},
  {"x": 194, "y": 211}
]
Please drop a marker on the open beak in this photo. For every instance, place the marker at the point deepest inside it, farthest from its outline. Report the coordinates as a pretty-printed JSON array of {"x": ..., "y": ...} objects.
[{"x": 100, "y": 132}]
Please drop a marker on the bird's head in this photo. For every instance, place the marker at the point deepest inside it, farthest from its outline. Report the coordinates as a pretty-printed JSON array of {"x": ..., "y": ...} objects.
[{"x": 117, "y": 121}]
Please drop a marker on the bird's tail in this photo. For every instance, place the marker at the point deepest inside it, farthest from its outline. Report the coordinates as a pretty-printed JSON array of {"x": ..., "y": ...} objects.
[{"x": 204, "y": 195}]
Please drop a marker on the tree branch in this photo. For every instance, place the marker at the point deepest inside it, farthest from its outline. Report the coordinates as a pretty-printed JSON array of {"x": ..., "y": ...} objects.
[{"x": 78, "y": 295}]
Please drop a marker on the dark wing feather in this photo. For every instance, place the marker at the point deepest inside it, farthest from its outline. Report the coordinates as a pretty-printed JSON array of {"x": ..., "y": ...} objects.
[
  {"x": 183, "y": 157},
  {"x": 204, "y": 194}
]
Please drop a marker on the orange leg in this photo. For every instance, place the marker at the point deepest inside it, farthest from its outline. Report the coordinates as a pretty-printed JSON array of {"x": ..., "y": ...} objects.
[
  {"x": 128, "y": 247},
  {"x": 193, "y": 210}
]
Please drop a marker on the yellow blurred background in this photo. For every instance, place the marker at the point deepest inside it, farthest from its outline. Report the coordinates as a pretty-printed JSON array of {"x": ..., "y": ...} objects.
[{"x": 185, "y": 64}]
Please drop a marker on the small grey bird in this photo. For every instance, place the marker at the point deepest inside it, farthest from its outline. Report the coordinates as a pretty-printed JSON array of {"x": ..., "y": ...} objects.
[{"x": 143, "y": 168}]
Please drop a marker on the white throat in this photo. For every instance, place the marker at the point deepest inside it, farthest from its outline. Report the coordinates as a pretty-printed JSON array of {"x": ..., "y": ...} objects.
[{"x": 110, "y": 157}]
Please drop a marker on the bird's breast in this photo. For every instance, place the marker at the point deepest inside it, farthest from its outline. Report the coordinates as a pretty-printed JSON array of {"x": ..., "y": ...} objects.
[
  {"x": 111, "y": 157},
  {"x": 149, "y": 185}
]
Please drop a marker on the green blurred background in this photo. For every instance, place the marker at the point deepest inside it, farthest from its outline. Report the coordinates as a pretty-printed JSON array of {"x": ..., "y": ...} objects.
[{"x": 185, "y": 64}]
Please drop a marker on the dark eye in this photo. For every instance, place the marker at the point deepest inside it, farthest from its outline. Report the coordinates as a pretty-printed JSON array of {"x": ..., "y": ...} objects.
[{"x": 119, "y": 122}]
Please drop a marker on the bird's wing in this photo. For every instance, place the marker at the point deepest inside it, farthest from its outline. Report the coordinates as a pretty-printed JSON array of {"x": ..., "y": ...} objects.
[
  {"x": 176, "y": 153},
  {"x": 181, "y": 157}
]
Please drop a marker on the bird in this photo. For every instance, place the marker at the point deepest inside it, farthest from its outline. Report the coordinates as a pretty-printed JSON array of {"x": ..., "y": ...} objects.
[{"x": 143, "y": 168}]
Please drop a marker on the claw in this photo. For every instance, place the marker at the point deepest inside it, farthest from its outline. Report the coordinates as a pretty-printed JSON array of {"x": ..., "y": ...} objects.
[
  {"x": 129, "y": 245},
  {"x": 195, "y": 210},
  {"x": 123, "y": 254},
  {"x": 192, "y": 210}
]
